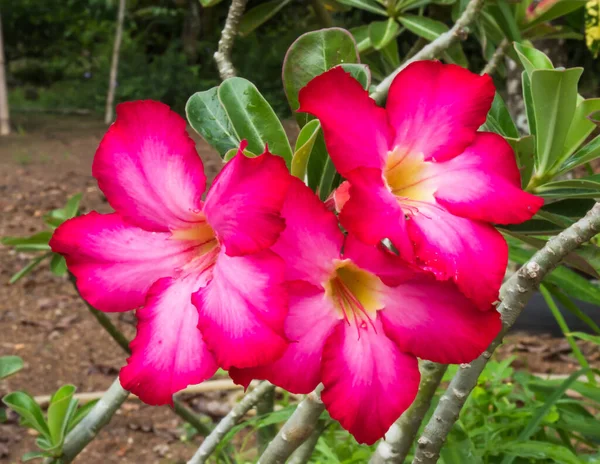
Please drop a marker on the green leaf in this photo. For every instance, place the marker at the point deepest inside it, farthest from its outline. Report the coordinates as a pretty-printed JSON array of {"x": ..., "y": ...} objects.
[
  {"x": 361, "y": 36},
  {"x": 532, "y": 59},
  {"x": 554, "y": 95},
  {"x": 556, "y": 10},
  {"x": 537, "y": 450},
  {"x": 586, "y": 426},
  {"x": 459, "y": 449},
  {"x": 367, "y": 5},
  {"x": 253, "y": 118},
  {"x": 312, "y": 54},
  {"x": 10, "y": 365},
  {"x": 72, "y": 207},
  {"x": 36, "y": 242},
  {"x": 33, "y": 455},
  {"x": 209, "y": 3},
  {"x": 499, "y": 119},
  {"x": 24, "y": 405},
  {"x": 524, "y": 148},
  {"x": 208, "y": 118},
  {"x": 58, "y": 264},
  {"x": 504, "y": 15},
  {"x": 581, "y": 127},
  {"x": 586, "y": 183},
  {"x": 586, "y": 337},
  {"x": 360, "y": 72},
  {"x": 383, "y": 32},
  {"x": 316, "y": 162},
  {"x": 327, "y": 178},
  {"x": 27, "y": 269},
  {"x": 57, "y": 216},
  {"x": 58, "y": 413},
  {"x": 584, "y": 155},
  {"x": 80, "y": 414},
  {"x": 528, "y": 100},
  {"x": 391, "y": 55},
  {"x": 304, "y": 145},
  {"x": 259, "y": 15}
]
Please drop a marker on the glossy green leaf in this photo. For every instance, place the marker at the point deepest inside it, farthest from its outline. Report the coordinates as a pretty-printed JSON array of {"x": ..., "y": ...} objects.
[
  {"x": 36, "y": 242},
  {"x": 361, "y": 36},
  {"x": 554, "y": 94},
  {"x": 548, "y": 452},
  {"x": 208, "y": 118},
  {"x": 312, "y": 54},
  {"x": 584, "y": 155},
  {"x": 391, "y": 55},
  {"x": 589, "y": 183},
  {"x": 33, "y": 455},
  {"x": 316, "y": 162},
  {"x": 304, "y": 146},
  {"x": 532, "y": 59},
  {"x": 253, "y": 119},
  {"x": 327, "y": 178},
  {"x": 10, "y": 365},
  {"x": 260, "y": 14},
  {"x": 367, "y": 5},
  {"x": 528, "y": 100},
  {"x": 524, "y": 148},
  {"x": 552, "y": 31},
  {"x": 58, "y": 265},
  {"x": 499, "y": 119},
  {"x": 27, "y": 269},
  {"x": 502, "y": 12},
  {"x": 57, "y": 216},
  {"x": 581, "y": 127},
  {"x": 383, "y": 32},
  {"x": 360, "y": 72},
  {"x": 59, "y": 412},
  {"x": 24, "y": 405},
  {"x": 556, "y": 10}
]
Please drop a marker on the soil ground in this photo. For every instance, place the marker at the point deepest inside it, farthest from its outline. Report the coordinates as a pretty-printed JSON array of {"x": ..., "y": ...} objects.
[{"x": 42, "y": 319}]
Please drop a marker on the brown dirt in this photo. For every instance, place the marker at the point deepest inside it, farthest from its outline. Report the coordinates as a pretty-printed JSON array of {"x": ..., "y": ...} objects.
[{"x": 43, "y": 321}]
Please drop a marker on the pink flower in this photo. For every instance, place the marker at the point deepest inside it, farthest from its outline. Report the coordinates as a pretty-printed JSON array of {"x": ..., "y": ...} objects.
[
  {"x": 420, "y": 173},
  {"x": 358, "y": 320},
  {"x": 164, "y": 244}
]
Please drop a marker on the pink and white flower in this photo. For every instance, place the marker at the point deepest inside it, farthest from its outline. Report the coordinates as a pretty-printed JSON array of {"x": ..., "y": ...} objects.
[
  {"x": 419, "y": 172},
  {"x": 163, "y": 244},
  {"x": 359, "y": 317}
]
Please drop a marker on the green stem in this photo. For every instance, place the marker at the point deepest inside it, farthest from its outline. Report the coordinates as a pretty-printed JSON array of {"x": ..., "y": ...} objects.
[{"x": 266, "y": 406}]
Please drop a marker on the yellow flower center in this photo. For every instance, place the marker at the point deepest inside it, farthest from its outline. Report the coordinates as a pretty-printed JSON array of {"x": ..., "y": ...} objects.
[
  {"x": 404, "y": 174},
  {"x": 202, "y": 237}
]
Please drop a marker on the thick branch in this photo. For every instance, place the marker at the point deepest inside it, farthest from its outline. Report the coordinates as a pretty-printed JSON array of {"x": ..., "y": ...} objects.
[
  {"x": 266, "y": 406},
  {"x": 401, "y": 435},
  {"x": 305, "y": 450},
  {"x": 432, "y": 50},
  {"x": 491, "y": 65},
  {"x": 514, "y": 294},
  {"x": 223, "y": 53},
  {"x": 228, "y": 422},
  {"x": 295, "y": 431}
]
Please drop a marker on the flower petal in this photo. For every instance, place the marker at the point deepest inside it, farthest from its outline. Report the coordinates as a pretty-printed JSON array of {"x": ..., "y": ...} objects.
[
  {"x": 472, "y": 253},
  {"x": 483, "y": 183},
  {"x": 148, "y": 168},
  {"x": 168, "y": 352},
  {"x": 357, "y": 133},
  {"x": 368, "y": 381},
  {"x": 310, "y": 321},
  {"x": 373, "y": 213},
  {"x": 243, "y": 309},
  {"x": 244, "y": 202},
  {"x": 437, "y": 108},
  {"x": 433, "y": 320},
  {"x": 311, "y": 239},
  {"x": 114, "y": 262}
]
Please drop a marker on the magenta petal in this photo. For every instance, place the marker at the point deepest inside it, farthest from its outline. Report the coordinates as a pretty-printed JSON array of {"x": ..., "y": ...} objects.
[
  {"x": 168, "y": 352},
  {"x": 312, "y": 238},
  {"x": 114, "y": 262},
  {"x": 433, "y": 320},
  {"x": 243, "y": 309},
  {"x": 357, "y": 133},
  {"x": 373, "y": 213},
  {"x": 310, "y": 320},
  {"x": 244, "y": 203},
  {"x": 148, "y": 168},
  {"x": 483, "y": 183},
  {"x": 472, "y": 253},
  {"x": 368, "y": 381},
  {"x": 437, "y": 108}
]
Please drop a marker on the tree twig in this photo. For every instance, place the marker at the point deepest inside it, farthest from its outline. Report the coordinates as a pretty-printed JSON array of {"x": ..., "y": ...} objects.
[
  {"x": 305, "y": 450},
  {"x": 223, "y": 54},
  {"x": 514, "y": 294},
  {"x": 491, "y": 65},
  {"x": 265, "y": 406},
  {"x": 296, "y": 430},
  {"x": 114, "y": 66},
  {"x": 458, "y": 32},
  {"x": 228, "y": 422},
  {"x": 401, "y": 435}
]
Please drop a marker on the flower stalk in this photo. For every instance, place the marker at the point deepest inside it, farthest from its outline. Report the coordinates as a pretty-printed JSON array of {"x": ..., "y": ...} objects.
[
  {"x": 515, "y": 294},
  {"x": 223, "y": 54}
]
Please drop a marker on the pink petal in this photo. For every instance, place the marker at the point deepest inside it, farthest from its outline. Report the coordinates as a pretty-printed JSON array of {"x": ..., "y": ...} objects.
[
  {"x": 472, "y": 253},
  {"x": 437, "y": 108},
  {"x": 341, "y": 195},
  {"x": 310, "y": 321},
  {"x": 357, "y": 133},
  {"x": 148, "y": 168},
  {"x": 433, "y": 320},
  {"x": 168, "y": 352},
  {"x": 368, "y": 381},
  {"x": 483, "y": 183},
  {"x": 243, "y": 309},
  {"x": 311, "y": 239},
  {"x": 244, "y": 203},
  {"x": 373, "y": 213},
  {"x": 114, "y": 262}
]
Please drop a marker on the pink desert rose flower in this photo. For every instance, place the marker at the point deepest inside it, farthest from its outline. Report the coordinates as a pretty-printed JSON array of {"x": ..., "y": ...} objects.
[
  {"x": 163, "y": 244},
  {"x": 358, "y": 320},
  {"x": 419, "y": 172}
]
